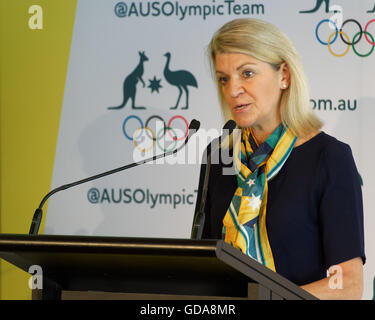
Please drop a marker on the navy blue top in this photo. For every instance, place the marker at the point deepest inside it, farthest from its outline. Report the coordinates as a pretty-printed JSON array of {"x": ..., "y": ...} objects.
[{"x": 314, "y": 214}]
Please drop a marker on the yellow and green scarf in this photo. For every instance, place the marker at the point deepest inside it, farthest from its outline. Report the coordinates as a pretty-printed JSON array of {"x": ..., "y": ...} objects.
[{"x": 245, "y": 221}]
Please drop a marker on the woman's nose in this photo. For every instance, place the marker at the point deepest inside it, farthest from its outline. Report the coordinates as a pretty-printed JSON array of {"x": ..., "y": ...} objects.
[{"x": 235, "y": 88}]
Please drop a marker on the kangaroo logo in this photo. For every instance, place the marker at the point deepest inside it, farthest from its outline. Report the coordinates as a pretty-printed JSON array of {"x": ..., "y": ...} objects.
[
  {"x": 180, "y": 79},
  {"x": 317, "y": 6},
  {"x": 130, "y": 83},
  {"x": 319, "y": 3}
]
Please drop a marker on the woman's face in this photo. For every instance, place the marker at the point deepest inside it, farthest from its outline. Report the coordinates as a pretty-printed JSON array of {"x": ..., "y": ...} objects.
[{"x": 252, "y": 89}]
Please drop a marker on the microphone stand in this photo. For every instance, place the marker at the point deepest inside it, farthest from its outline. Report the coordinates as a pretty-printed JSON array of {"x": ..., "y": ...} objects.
[
  {"x": 38, "y": 214},
  {"x": 200, "y": 216}
]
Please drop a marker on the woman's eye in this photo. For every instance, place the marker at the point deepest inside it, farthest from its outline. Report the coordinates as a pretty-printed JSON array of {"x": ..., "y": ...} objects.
[
  {"x": 248, "y": 73},
  {"x": 223, "y": 80}
]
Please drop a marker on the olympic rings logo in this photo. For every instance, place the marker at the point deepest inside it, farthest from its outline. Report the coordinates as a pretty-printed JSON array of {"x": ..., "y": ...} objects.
[
  {"x": 144, "y": 138},
  {"x": 345, "y": 38}
]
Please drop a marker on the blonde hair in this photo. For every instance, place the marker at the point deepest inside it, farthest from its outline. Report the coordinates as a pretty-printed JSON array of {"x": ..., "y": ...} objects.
[{"x": 265, "y": 42}]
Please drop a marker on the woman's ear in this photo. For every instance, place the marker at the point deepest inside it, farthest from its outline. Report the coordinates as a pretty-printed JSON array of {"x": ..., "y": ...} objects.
[{"x": 284, "y": 76}]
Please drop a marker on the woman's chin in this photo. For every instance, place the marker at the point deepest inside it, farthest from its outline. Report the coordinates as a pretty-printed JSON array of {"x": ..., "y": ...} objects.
[{"x": 243, "y": 123}]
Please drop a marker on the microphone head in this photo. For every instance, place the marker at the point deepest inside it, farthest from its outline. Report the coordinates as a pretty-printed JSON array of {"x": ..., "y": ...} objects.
[
  {"x": 193, "y": 128},
  {"x": 230, "y": 126},
  {"x": 194, "y": 125},
  {"x": 227, "y": 131}
]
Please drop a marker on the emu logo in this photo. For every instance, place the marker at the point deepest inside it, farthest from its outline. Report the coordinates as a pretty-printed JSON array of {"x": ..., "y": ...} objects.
[
  {"x": 36, "y": 280},
  {"x": 181, "y": 79}
]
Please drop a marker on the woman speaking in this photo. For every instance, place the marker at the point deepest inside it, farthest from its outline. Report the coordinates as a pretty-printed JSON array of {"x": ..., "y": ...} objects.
[{"x": 294, "y": 203}]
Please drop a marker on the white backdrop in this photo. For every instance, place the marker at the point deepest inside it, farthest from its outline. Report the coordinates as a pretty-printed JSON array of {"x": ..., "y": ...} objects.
[{"x": 158, "y": 200}]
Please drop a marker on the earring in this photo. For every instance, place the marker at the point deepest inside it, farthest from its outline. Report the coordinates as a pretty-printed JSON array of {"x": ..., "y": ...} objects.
[{"x": 284, "y": 86}]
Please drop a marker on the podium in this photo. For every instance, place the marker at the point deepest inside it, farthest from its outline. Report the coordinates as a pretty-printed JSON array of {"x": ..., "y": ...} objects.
[{"x": 93, "y": 267}]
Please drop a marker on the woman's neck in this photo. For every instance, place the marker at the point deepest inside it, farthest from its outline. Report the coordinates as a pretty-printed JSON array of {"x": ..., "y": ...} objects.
[{"x": 261, "y": 134}]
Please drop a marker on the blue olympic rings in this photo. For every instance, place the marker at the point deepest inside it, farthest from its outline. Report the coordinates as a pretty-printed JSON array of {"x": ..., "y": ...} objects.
[{"x": 317, "y": 28}]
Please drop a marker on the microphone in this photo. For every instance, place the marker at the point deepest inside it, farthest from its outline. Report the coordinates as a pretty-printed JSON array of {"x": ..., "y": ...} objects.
[
  {"x": 199, "y": 216},
  {"x": 37, "y": 218}
]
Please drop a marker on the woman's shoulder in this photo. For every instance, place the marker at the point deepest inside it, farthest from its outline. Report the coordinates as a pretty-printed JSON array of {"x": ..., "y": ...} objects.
[
  {"x": 334, "y": 147},
  {"x": 335, "y": 156},
  {"x": 328, "y": 151},
  {"x": 323, "y": 142}
]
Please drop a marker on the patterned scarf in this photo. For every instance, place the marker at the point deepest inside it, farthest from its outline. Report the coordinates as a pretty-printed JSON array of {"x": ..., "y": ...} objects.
[{"x": 245, "y": 221}]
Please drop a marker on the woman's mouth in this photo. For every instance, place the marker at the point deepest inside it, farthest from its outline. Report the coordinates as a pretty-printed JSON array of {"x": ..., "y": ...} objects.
[{"x": 241, "y": 107}]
